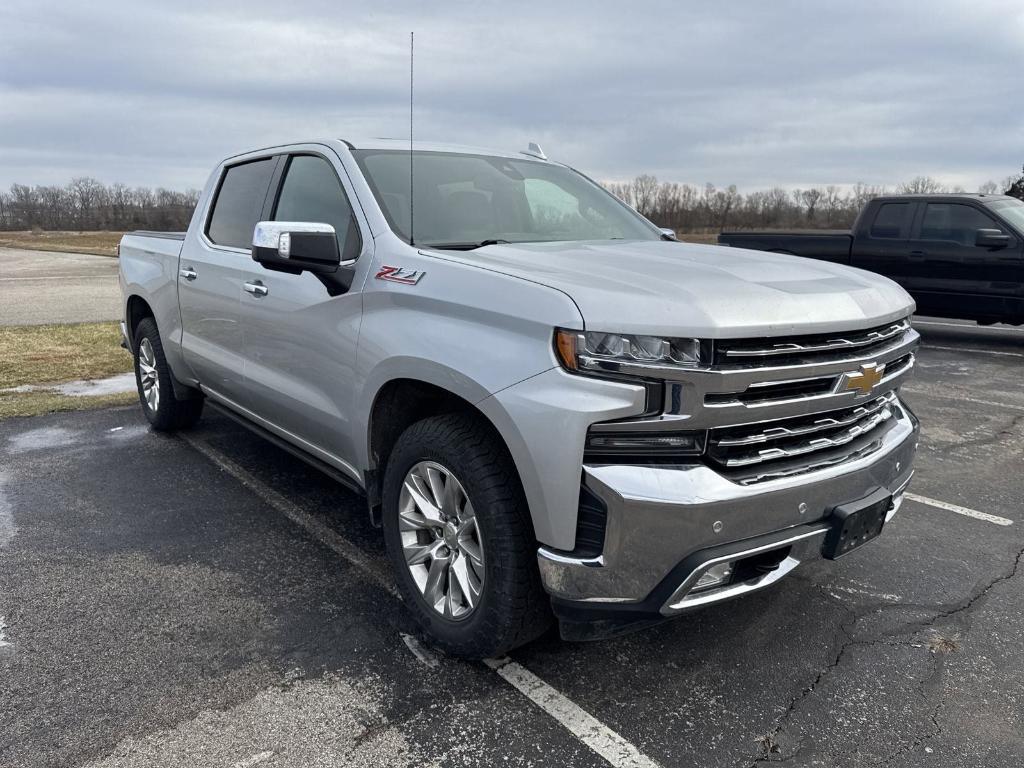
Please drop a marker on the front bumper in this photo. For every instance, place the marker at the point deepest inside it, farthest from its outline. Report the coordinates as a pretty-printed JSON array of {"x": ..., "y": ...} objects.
[{"x": 665, "y": 523}]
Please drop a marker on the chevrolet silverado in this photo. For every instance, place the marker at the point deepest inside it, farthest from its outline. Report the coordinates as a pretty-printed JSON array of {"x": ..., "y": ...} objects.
[{"x": 553, "y": 409}]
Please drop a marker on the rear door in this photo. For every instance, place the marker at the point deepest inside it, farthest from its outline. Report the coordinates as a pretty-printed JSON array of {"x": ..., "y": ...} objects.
[
  {"x": 211, "y": 271},
  {"x": 880, "y": 242},
  {"x": 957, "y": 275},
  {"x": 299, "y": 342}
]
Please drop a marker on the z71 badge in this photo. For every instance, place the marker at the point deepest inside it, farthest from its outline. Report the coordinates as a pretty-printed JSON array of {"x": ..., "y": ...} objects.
[{"x": 400, "y": 275}]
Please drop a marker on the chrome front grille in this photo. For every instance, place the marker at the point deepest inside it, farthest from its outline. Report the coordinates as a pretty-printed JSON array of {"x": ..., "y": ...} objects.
[
  {"x": 772, "y": 408},
  {"x": 806, "y": 349},
  {"x": 840, "y": 433}
]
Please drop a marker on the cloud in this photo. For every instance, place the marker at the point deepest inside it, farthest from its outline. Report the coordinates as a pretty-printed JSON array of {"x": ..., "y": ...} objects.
[{"x": 752, "y": 93}]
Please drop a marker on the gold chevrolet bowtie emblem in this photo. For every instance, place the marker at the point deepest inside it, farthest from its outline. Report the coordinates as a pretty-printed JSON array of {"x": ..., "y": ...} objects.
[{"x": 864, "y": 380}]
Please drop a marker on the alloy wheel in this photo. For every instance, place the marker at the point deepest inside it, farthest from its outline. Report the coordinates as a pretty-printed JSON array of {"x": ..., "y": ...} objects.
[
  {"x": 440, "y": 540},
  {"x": 148, "y": 375}
]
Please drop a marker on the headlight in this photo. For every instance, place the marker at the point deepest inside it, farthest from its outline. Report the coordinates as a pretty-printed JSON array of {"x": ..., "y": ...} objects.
[{"x": 626, "y": 353}]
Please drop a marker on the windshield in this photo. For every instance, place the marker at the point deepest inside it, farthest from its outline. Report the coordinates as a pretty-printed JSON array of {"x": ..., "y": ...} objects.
[
  {"x": 1011, "y": 210},
  {"x": 464, "y": 201}
]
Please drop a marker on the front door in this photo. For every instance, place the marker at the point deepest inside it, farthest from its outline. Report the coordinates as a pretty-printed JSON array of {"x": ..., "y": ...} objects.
[
  {"x": 300, "y": 342},
  {"x": 213, "y": 266},
  {"x": 960, "y": 276}
]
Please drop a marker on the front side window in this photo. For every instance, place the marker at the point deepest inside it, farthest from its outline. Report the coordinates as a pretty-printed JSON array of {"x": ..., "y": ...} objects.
[
  {"x": 954, "y": 222},
  {"x": 239, "y": 202},
  {"x": 463, "y": 200},
  {"x": 312, "y": 193}
]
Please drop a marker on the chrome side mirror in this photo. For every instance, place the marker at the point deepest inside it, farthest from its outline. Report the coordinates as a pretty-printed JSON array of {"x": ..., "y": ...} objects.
[
  {"x": 667, "y": 233},
  {"x": 296, "y": 246}
]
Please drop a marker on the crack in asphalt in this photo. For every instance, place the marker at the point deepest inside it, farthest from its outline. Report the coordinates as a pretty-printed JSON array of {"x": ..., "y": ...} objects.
[
  {"x": 933, "y": 680},
  {"x": 770, "y": 750}
]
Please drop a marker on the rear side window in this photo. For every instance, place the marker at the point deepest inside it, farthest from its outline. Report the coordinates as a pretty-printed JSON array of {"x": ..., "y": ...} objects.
[
  {"x": 891, "y": 220},
  {"x": 312, "y": 193},
  {"x": 239, "y": 203},
  {"x": 953, "y": 222}
]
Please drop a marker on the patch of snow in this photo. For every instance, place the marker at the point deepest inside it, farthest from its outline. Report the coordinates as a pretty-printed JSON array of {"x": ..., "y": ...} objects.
[
  {"x": 44, "y": 437},
  {"x": 113, "y": 385}
]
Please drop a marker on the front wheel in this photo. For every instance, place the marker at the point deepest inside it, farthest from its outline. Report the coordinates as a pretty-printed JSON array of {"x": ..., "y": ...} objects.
[
  {"x": 153, "y": 378},
  {"x": 458, "y": 536}
]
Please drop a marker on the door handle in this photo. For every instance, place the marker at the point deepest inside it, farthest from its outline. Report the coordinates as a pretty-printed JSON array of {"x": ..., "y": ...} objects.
[
  {"x": 257, "y": 288},
  {"x": 188, "y": 273},
  {"x": 918, "y": 255}
]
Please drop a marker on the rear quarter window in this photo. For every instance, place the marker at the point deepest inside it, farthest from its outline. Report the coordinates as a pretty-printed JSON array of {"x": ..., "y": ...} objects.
[
  {"x": 239, "y": 203},
  {"x": 891, "y": 221}
]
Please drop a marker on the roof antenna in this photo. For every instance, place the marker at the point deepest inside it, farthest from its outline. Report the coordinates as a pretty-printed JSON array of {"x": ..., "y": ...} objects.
[{"x": 412, "y": 237}]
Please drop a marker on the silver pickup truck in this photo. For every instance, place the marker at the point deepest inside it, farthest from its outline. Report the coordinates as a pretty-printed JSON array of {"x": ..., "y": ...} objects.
[{"x": 551, "y": 407}]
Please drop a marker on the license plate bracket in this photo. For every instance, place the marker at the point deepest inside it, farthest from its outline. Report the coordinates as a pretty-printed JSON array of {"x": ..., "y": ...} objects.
[{"x": 856, "y": 523}]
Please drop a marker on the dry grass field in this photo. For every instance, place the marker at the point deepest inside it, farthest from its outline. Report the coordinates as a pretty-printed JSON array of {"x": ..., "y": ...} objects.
[
  {"x": 46, "y": 354},
  {"x": 99, "y": 243}
]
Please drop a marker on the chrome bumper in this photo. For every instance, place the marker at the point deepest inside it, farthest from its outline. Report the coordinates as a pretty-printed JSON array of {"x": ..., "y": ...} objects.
[{"x": 659, "y": 518}]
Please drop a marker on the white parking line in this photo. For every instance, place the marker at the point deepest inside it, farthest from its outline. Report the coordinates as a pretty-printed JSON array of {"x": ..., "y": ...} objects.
[
  {"x": 995, "y": 519},
  {"x": 420, "y": 651},
  {"x": 974, "y": 350},
  {"x": 584, "y": 726},
  {"x": 297, "y": 515},
  {"x": 3, "y": 633},
  {"x": 965, "y": 325},
  {"x": 888, "y": 597},
  {"x": 580, "y": 723},
  {"x": 260, "y": 757},
  {"x": 961, "y": 398}
]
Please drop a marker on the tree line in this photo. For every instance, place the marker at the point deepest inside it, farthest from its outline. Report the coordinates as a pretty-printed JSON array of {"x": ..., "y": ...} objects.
[
  {"x": 87, "y": 204},
  {"x": 687, "y": 208}
]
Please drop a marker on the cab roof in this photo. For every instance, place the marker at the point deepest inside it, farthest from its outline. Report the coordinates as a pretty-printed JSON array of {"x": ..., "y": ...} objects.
[
  {"x": 431, "y": 146},
  {"x": 938, "y": 196}
]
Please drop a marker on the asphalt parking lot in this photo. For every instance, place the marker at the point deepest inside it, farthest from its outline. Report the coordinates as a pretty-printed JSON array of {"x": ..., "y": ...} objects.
[
  {"x": 52, "y": 287},
  {"x": 211, "y": 601}
]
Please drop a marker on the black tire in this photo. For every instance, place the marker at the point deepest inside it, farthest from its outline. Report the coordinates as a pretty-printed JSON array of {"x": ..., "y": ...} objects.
[
  {"x": 513, "y": 607},
  {"x": 169, "y": 413}
]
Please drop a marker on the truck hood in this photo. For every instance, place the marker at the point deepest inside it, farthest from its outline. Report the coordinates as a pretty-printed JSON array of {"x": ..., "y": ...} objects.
[{"x": 708, "y": 291}]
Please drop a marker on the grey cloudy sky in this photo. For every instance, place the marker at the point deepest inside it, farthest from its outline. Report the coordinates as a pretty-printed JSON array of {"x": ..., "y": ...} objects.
[{"x": 747, "y": 92}]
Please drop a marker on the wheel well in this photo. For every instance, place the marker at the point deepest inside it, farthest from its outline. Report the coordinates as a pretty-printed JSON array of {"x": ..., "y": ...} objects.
[
  {"x": 399, "y": 404},
  {"x": 138, "y": 309}
]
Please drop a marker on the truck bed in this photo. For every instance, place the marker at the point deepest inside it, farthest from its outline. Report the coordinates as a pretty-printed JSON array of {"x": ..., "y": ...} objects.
[
  {"x": 825, "y": 244},
  {"x": 140, "y": 243}
]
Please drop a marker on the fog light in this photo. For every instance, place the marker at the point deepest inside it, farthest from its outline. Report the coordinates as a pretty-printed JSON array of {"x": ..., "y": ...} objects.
[
  {"x": 645, "y": 443},
  {"x": 715, "y": 576}
]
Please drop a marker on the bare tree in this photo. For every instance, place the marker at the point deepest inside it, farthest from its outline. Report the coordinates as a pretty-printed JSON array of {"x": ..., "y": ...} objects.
[
  {"x": 87, "y": 204},
  {"x": 921, "y": 185},
  {"x": 1015, "y": 186},
  {"x": 809, "y": 198},
  {"x": 645, "y": 193}
]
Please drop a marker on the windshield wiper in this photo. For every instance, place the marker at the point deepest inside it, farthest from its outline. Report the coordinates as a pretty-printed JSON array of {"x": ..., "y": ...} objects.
[{"x": 466, "y": 246}]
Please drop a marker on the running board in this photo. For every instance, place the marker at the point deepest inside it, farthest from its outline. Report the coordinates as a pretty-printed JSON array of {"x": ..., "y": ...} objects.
[{"x": 284, "y": 445}]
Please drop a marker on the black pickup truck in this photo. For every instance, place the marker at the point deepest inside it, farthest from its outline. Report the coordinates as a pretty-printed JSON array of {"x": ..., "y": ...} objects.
[{"x": 958, "y": 255}]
